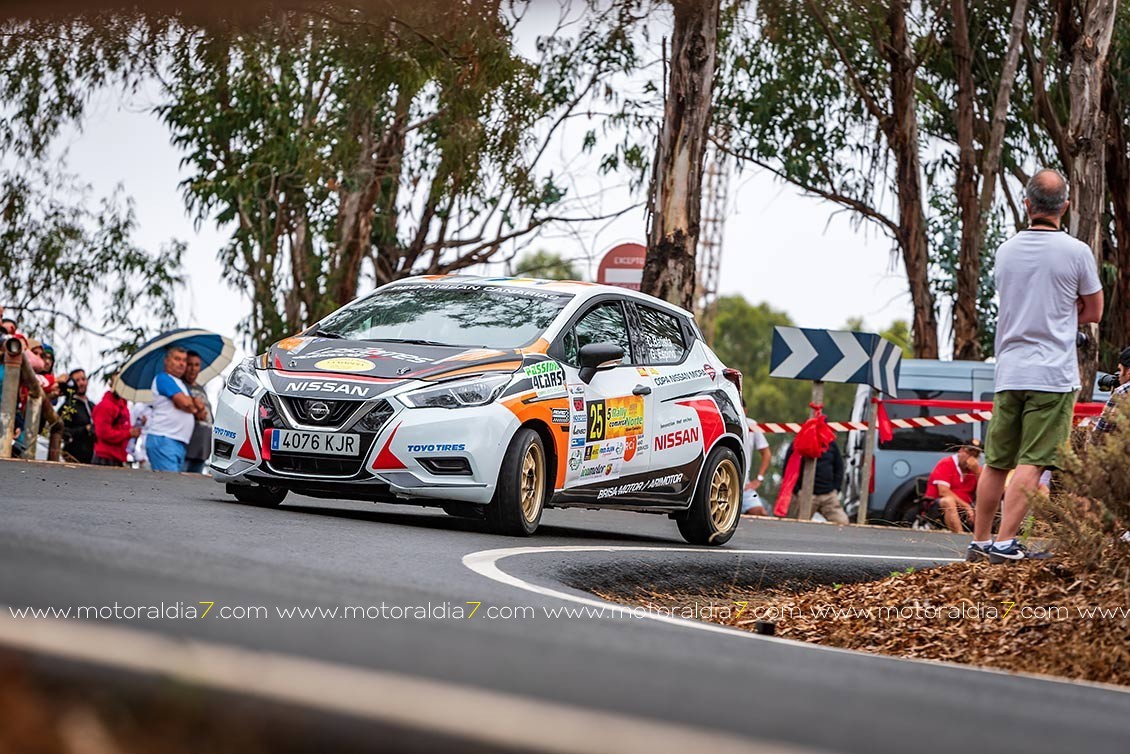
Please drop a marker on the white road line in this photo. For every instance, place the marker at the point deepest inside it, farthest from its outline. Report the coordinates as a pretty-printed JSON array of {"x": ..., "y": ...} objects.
[
  {"x": 487, "y": 717},
  {"x": 485, "y": 563}
]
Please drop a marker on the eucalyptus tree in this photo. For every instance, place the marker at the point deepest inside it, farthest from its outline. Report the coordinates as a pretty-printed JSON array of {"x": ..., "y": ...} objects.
[{"x": 824, "y": 96}]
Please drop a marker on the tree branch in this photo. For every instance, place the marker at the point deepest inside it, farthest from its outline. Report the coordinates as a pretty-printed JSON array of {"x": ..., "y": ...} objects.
[{"x": 829, "y": 194}]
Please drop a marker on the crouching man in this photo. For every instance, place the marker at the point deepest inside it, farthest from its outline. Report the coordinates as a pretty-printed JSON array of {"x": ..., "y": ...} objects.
[{"x": 952, "y": 485}]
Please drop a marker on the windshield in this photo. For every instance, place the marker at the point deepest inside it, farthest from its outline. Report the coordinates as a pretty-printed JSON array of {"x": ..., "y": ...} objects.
[{"x": 471, "y": 315}]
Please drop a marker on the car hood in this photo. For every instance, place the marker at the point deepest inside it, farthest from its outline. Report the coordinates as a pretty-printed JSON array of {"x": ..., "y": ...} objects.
[{"x": 372, "y": 361}]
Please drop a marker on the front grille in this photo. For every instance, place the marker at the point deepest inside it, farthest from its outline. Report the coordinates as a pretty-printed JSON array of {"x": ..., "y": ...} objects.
[
  {"x": 307, "y": 410},
  {"x": 314, "y": 466},
  {"x": 375, "y": 420}
]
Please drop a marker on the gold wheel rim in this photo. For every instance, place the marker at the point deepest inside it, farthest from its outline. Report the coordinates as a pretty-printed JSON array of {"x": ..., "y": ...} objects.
[
  {"x": 725, "y": 495},
  {"x": 533, "y": 482}
]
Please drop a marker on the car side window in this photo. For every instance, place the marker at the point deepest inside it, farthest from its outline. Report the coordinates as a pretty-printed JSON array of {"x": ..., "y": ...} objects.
[
  {"x": 603, "y": 324},
  {"x": 662, "y": 336}
]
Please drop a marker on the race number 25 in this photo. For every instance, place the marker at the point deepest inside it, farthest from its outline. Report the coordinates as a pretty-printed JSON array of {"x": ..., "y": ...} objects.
[{"x": 596, "y": 425}]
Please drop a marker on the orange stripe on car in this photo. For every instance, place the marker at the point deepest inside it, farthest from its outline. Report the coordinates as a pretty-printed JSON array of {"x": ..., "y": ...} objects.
[{"x": 542, "y": 411}]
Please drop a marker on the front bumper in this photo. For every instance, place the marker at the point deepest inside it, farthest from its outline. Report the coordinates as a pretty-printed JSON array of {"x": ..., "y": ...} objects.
[{"x": 417, "y": 454}]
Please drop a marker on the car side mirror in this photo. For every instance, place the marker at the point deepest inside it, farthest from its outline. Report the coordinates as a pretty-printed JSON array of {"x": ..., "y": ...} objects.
[{"x": 597, "y": 356}]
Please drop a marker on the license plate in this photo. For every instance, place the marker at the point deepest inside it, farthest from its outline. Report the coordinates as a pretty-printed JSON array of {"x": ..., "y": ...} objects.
[{"x": 320, "y": 443}]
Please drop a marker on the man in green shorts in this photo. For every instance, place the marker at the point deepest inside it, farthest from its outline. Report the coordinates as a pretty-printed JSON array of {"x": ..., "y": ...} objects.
[{"x": 1048, "y": 285}]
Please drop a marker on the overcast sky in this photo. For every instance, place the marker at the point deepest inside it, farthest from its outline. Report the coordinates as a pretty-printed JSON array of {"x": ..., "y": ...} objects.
[{"x": 799, "y": 254}]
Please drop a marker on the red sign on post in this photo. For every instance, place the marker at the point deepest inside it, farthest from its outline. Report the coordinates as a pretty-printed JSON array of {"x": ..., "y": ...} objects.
[{"x": 622, "y": 266}]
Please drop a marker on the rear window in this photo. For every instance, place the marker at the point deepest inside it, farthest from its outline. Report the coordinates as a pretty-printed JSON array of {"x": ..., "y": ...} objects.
[
  {"x": 662, "y": 336},
  {"x": 929, "y": 439}
]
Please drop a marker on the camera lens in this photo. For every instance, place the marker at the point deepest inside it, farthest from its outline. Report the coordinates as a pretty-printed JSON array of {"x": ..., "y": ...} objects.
[{"x": 1108, "y": 382}]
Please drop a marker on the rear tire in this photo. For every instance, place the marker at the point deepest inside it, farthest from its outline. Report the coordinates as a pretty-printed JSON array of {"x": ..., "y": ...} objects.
[
  {"x": 714, "y": 513},
  {"x": 259, "y": 494},
  {"x": 520, "y": 496}
]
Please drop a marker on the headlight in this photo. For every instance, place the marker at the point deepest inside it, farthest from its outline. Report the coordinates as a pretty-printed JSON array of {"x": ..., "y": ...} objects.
[
  {"x": 242, "y": 380},
  {"x": 476, "y": 391}
]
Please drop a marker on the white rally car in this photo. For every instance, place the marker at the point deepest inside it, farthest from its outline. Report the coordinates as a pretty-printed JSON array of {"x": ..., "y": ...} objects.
[{"x": 496, "y": 398}]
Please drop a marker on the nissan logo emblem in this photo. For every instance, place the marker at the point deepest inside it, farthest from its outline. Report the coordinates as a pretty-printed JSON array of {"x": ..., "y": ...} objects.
[{"x": 318, "y": 410}]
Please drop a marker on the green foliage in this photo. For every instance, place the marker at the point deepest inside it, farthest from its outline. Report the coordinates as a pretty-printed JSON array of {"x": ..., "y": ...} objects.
[
  {"x": 899, "y": 334},
  {"x": 342, "y": 144},
  {"x": 1088, "y": 509},
  {"x": 945, "y": 241},
  {"x": 787, "y": 104},
  {"x": 548, "y": 265},
  {"x": 67, "y": 267}
]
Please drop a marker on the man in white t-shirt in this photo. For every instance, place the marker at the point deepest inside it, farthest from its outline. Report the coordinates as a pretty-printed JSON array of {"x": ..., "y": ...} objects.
[
  {"x": 1048, "y": 284},
  {"x": 174, "y": 414}
]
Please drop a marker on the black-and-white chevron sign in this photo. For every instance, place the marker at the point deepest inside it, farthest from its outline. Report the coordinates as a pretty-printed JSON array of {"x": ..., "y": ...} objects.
[{"x": 836, "y": 356}]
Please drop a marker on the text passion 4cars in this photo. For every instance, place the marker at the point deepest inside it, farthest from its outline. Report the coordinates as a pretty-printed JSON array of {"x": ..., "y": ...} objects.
[{"x": 494, "y": 398}]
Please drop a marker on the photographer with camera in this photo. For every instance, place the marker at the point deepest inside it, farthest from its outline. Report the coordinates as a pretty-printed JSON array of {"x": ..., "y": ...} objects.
[{"x": 1120, "y": 385}]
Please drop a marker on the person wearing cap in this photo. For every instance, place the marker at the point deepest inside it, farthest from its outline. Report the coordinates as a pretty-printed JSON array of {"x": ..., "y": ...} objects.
[
  {"x": 953, "y": 485},
  {"x": 45, "y": 370}
]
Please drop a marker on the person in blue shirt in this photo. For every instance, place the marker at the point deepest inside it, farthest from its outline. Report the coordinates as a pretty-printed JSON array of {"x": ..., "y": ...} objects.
[{"x": 174, "y": 415}]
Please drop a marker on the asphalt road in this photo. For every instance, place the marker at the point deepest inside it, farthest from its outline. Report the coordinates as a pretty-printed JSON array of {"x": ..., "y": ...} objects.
[{"x": 85, "y": 536}]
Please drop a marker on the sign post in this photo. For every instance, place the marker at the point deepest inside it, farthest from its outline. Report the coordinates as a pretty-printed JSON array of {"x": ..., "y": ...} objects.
[
  {"x": 837, "y": 356},
  {"x": 868, "y": 456},
  {"x": 808, "y": 475}
]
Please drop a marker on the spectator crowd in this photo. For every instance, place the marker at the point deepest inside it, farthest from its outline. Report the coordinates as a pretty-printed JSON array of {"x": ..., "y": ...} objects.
[{"x": 173, "y": 433}]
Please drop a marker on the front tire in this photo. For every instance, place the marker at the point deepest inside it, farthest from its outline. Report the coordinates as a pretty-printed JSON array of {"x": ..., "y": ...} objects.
[
  {"x": 713, "y": 516},
  {"x": 520, "y": 496},
  {"x": 260, "y": 495}
]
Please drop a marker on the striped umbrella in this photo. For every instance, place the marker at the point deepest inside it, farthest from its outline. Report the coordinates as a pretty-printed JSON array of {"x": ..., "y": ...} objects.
[{"x": 135, "y": 382}]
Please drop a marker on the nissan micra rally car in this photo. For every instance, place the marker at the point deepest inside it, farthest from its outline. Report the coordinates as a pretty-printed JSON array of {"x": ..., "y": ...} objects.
[{"x": 494, "y": 398}]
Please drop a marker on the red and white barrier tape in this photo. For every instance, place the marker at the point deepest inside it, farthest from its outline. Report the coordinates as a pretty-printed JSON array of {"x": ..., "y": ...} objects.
[{"x": 973, "y": 417}]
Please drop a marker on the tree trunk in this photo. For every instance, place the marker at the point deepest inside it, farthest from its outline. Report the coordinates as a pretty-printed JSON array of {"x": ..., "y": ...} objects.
[
  {"x": 975, "y": 217},
  {"x": 676, "y": 183},
  {"x": 902, "y": 134},
  {"x": 966, "y": 343},
  {"x": 1117, "y": 320},
  {"x": 1086, "y": 138}
]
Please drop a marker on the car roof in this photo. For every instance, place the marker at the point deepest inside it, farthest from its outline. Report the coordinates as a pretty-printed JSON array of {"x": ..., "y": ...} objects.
[{"x": 578, "y": 288}]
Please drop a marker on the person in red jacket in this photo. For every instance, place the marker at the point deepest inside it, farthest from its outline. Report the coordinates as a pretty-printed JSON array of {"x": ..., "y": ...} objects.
[{"x": 112, "y": 428}]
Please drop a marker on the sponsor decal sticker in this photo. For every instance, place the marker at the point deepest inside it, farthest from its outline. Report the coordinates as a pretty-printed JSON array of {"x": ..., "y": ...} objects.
[
  {"x": 709, "y": 371},
  {"x": 592, "y": 452},
  {"x": 614, "y": 417},
  {"x": 344, "y": 365},
  {"x": 677, "y": 377},
  {"x": 630, "y": 447},
  {"x": 676, "y": 422},
  {"x": 317, "y": 386},
  {"x": 560, "y": 416},
  {"x": 574, "y": 460},
  {"x": 577, "y": 442},
  {"x": 578, "y": 430},
  {"x": 676, "y": 438},
  {"x": 579, "y": 404},
  {"x": 227, "y": 434},
  {"x": 627, "y": 489},
  {"x": 437, "y": 448},
  {"x": 368, "y": 352},
  {"x": 547, "y": 377}
]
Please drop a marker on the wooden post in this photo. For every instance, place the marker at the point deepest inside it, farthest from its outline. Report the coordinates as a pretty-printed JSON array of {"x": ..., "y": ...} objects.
[
  {"x": 31, "y": 426},
  {"x": 9, "y": 394},
  {"x": 808, "y": 476},
  {"x": 868, "y": 458}
]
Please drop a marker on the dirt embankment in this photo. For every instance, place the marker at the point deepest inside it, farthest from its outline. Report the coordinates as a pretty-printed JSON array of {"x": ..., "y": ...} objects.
[{"x": 1047, "y": 617}]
